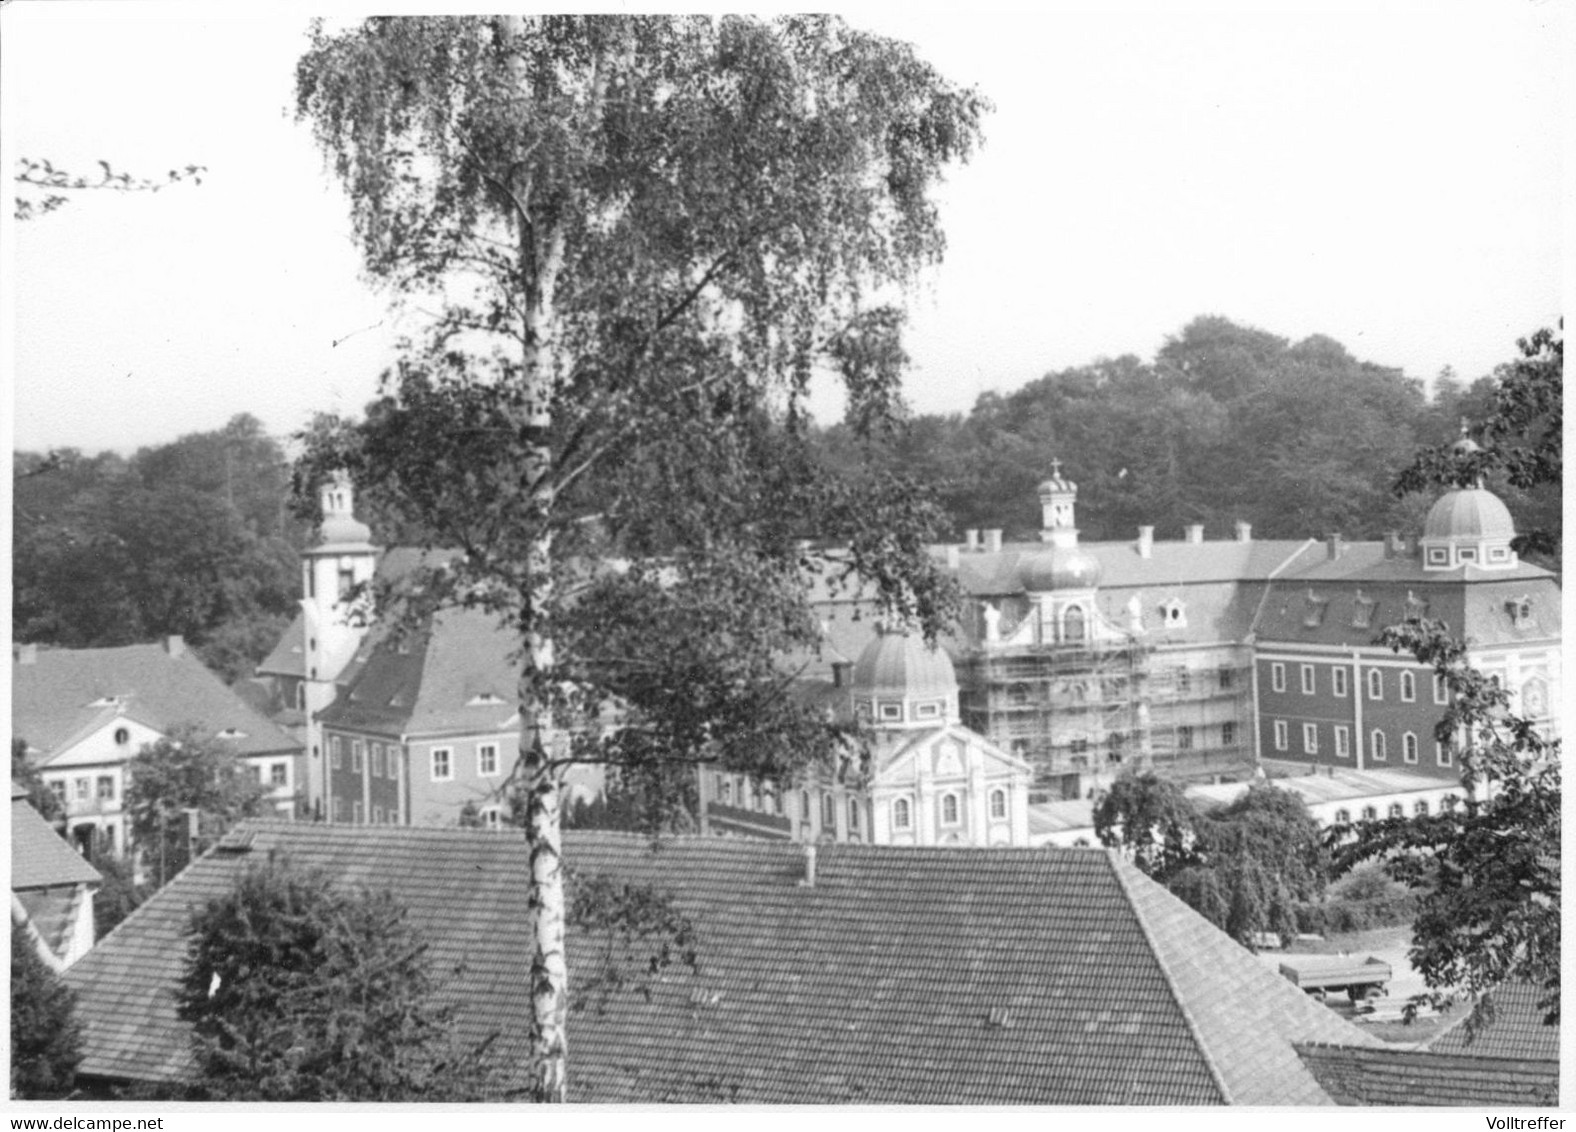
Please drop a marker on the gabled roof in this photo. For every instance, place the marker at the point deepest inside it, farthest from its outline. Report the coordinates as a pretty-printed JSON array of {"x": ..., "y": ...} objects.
[
  {"x": 902, "y": 975},
  {"x": 1412, "y": 1077},
  {"x": 456, "y": 677},
  {"x": 40, "y": 857},
  {"x": 991, "y": 573},
  {"x": 62, "y": 695}
]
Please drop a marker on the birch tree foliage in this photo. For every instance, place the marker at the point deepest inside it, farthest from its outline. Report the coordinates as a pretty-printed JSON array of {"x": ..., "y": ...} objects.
[{"x": 633, "y": 241}]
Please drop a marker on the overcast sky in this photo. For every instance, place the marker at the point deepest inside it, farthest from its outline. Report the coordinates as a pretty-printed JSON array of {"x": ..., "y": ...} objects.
[{"x": 1385, "y": 174}]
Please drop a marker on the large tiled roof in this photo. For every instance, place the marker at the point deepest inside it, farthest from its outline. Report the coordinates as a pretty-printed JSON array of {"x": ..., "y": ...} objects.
[
  {"x": 1414, "y": 1078},
  {"x": 1514, "y": 1028},
  {"x": 1335, "y": 786},
  {"x": 901, "y": 975},
  {"x": 59, "y": 696},
  {"x": 40, "y": 857},
  {"x": 990, "y": 573}
]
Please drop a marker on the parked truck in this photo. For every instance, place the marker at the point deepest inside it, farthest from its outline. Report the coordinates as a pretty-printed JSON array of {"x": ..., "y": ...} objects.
[{"x": 1324, "y": 975}]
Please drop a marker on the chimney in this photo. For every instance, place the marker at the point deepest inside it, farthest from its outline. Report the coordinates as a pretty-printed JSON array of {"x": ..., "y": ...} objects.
[
  {"x": 1244, "y": 531},
  {"x": 954, "y": 557},
  {"x": 1334, "y": 544},
  {"x": 1195, "y": 532},
  {"x": 27, "y": 654},
  {"x": 1146, "y": 541},
  {"x": 174, "y": 645},
  {"x": 809, "y": 865},
  {"x": 993, "y": 541},
  {"x": 971, "y": 540}
]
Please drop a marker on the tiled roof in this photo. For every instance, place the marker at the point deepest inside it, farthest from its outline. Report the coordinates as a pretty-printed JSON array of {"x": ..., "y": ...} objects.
[
  {"x": 1060, "y": 817},
  {"x": 1516, "y": 1029},
  {"x": 53, "y": 913},
  {"x": 53, "y": 698},
  {"x": 457, "y": 677},
  {"x": 1336, "y": 786},
  {"x": 901, "y": 975},
  {"x": 40, "y": 857},
  {"x": 1391, "y": 1076},
  {"x": 1121, "y": 565}
]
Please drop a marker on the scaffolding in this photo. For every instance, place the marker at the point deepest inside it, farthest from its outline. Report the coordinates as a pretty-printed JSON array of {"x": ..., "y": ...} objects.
[{"x": 1080, "y": 712}]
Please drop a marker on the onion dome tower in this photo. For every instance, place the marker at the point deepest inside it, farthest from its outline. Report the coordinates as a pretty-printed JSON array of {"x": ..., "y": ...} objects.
[
  {"x": 1062, "y": 577},
  {"x": 1468, "y": 525},
  {"x": 901, "y": 682}
]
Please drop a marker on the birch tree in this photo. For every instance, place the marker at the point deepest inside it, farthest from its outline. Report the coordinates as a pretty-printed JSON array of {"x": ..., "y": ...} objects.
[{"x": 634, "y": 242}]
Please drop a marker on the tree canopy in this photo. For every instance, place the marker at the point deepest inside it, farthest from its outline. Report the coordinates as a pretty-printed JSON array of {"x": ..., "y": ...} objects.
[
  {"x": 642, "y": 237},
  {"x": 46, "y": 1037}
]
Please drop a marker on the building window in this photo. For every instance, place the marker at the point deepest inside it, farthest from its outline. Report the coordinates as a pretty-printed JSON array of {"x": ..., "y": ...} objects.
[
  {"x": 442, "y": 764},
  {"x": 1448, "y": 803},
  {"x": 377, "y": 815},
  {"x": 1375, "y": 684},
  {"x": 1441, "y": 753},
  {"x": 902, "y": 817},
  {"x": 1073, "y": 624},
  {"x": 1370, "y": 813},
  {"x": 853, "y": 815},
  {"x": 279, "y": 774},
  {"x": 828, "y": 813},
  {"x": 356, "y": 753},
  {"x": 393, "y": 765},
  {"x": 1227, "y": 677},
  {"x": 1278, "y": 677},
  {"x": 1184, "y": 680},
  {"x": 1397, "y": 810},
  {"x": 492, "y": 819},
  {"x": 339, "y": 809},
  {"x": 1184, "y": 738},
  {"x": 891, "y": 711},
  {"x": 1172, "y": 615},
  {"x": 998, "y": 804},
  {"x": 927, "y": 711},
  {"x": 487, "y": 759},
  {"x": 1079, "y": 746},
  {"x": 1408, "y": 687},
  {"x": 106, "y": 788},
  {"x": 256, "y": 772},
  {"x": 57, "y": 787},
  {"x": 949, "y": 809},
  {"x": 1281, "y": 739},
  {"x": 725, "y": 789},
  {"x": 804, "y": 806},
  {"x": 84, "y": 786},
  {"x": 1307, "y": 680},
  {"x": 1376, "y": 745},
  {"x": 1363, "y": 613},
  {"x": 1409, "y": 748},
  {"x": 358, "y": 813},
  {"x": 1343, "y": 742},
  {"x": 1338, "y": 681},
  {"x": 1421, "y": 808},
  {"x": 1020, "y": 748},
  {"x": 122, "y": 736},
  {"x": 1441, "y": 690},
  {"x": 1313, "y": 613},
  {"x": 1310, "y": 738},
  {"x": 1228, "y": 734},
  {"x": 336, "y": 758},
  {"x": 1342, "y": 817}
]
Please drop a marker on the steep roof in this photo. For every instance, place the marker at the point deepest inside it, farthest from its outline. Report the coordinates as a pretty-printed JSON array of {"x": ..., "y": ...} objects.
[
  {"x": 63, "y": 694},
  {"x": 901, "y": 975},
  {"x": 1411, "y": 1077},
  {"x": 456, "y": 677},
  {"x": 40, "y": 857}
]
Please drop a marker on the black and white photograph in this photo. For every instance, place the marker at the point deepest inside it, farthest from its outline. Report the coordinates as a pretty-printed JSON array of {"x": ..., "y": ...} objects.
[{"x": 879, "y": 558}]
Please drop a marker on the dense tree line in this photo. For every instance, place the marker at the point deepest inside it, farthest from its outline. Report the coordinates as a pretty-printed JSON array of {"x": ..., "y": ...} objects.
[
  {"x": 1226, "y": 423},
  {"x": 192, "y": 537}
]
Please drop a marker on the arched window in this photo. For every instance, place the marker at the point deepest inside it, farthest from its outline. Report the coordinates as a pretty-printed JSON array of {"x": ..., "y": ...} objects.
[
  {"x": 1376, "y": 745},
  {"x": 828, "y": 813},
  {"x": 853, "y": 815},
  {"x": 1369, "y": 813},
  {"x": 1409, "y": 747},
  {"x": 1073, "y": 623},
  {"x": 1421, "y": 809},
  {"x": 902, "y": 817},
  {"x": 998, "y": 803},
  {"x": 1408, "y": 687},
  {"x": 949, "y": 809},
  {"x": 1397, "y": 810}
]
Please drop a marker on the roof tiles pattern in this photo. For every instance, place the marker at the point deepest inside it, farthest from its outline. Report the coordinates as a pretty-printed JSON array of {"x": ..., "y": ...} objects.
[
  {"x": 1392, "y": 1076},
  {"x": 40, "y": 857},
  {"x": 1515, "y": 1029},
  {"x": 902, "y": 975}
]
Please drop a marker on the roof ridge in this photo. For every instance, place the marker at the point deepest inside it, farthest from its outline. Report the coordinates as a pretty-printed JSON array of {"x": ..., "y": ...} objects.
[{"x": 1115, "y": 862}]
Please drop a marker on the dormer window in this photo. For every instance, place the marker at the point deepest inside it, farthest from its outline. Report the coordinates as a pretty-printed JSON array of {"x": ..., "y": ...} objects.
[
  {"x": 1313, "y": 611},
  {"x": 1363, "y": 612},
  {"x": 483, "y": 699},
  {"x": 1416, "y": 607},
  {"x": 107, "y": 701},
  {"x": 232, "y": 733},
  {"x": 1520, "y": 610}
]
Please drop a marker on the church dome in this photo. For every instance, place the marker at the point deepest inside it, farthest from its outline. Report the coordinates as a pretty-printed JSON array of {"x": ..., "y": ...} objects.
[
  {"x": 900, "y": 665},
  {"x": 341, "y": 530},
  {"x": 1060, "y": 568},
  {"x": 1470, "y": 513}
]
